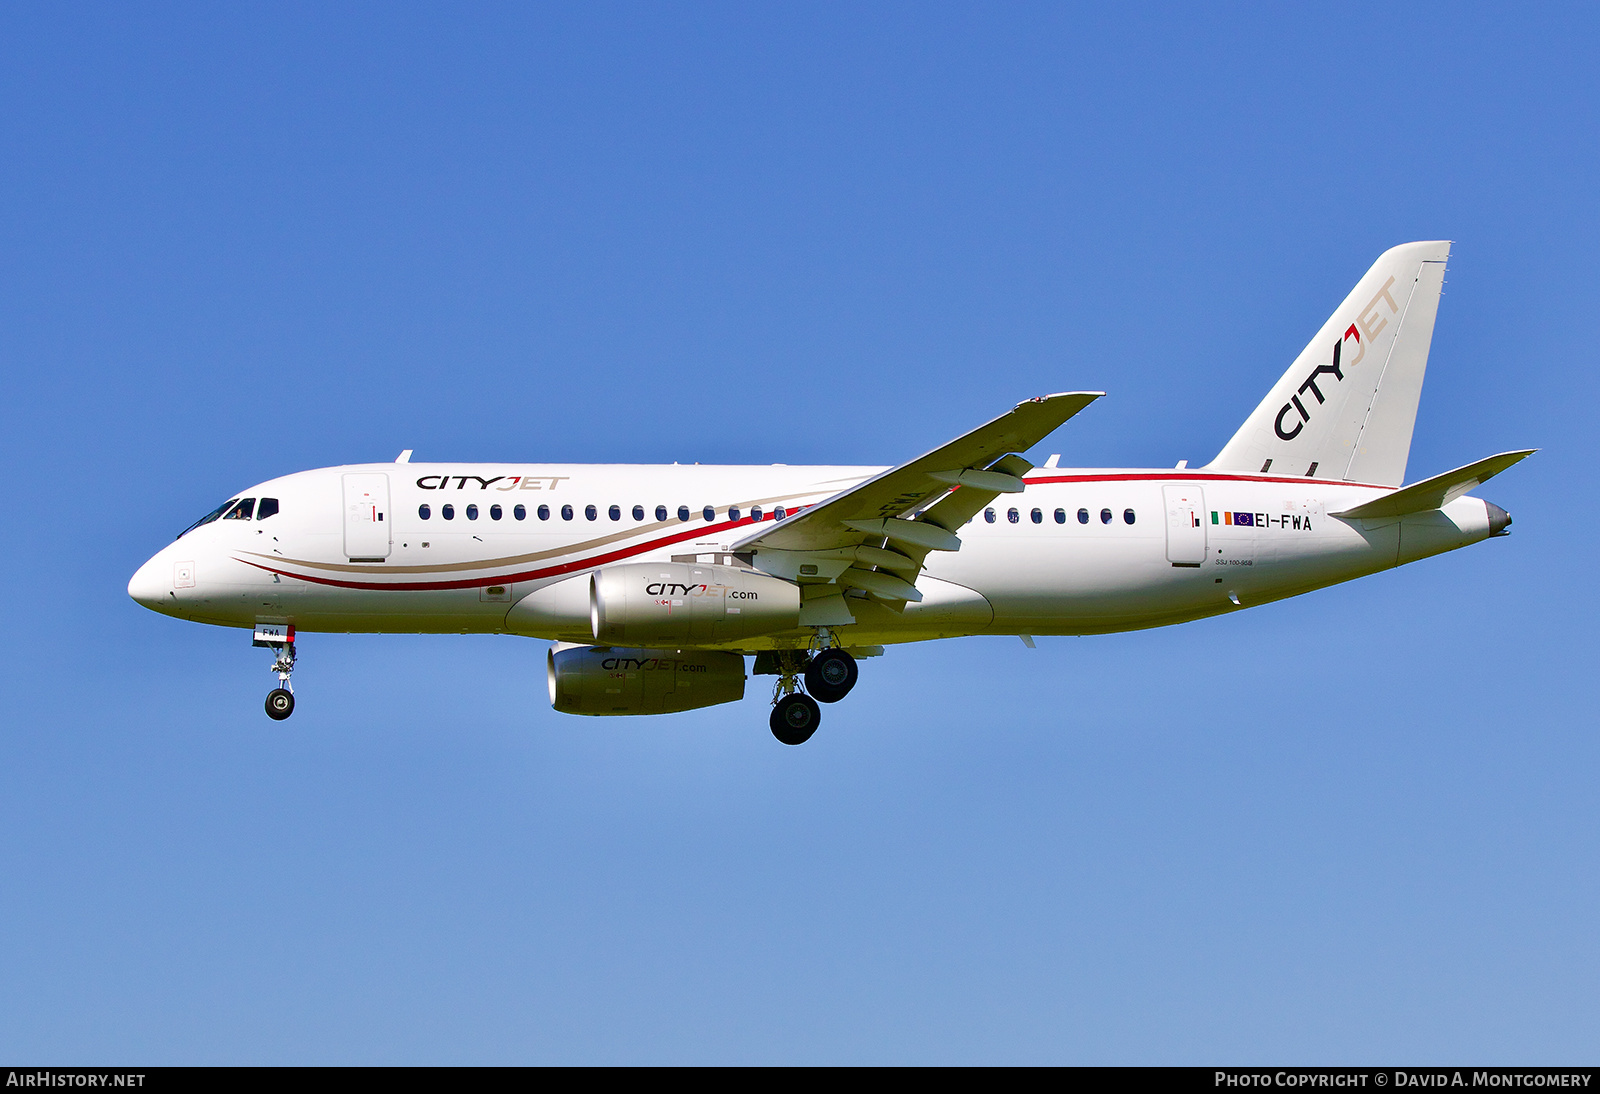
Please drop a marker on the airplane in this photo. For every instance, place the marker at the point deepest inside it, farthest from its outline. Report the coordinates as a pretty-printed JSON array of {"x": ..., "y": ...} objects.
[{"x": 655, "y": 583}]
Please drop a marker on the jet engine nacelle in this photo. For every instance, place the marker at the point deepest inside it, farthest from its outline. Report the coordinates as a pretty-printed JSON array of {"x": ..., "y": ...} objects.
[
  {"x": 680, "y": 603},
  {"x": 612, "y": 680}
]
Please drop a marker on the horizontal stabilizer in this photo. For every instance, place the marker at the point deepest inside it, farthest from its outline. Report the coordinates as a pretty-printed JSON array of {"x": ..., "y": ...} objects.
[{"x": 1437, "y": 492}]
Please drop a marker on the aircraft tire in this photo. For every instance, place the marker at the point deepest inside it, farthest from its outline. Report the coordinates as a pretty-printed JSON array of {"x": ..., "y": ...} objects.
[
  {"x": 795, "y": 718},
  {"x": 280, "y": 704},
  {"x": 830, "y": 675}
]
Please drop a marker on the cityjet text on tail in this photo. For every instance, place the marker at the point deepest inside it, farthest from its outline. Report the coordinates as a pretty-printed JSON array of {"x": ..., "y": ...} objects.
[{"x": 661, "y": 588}]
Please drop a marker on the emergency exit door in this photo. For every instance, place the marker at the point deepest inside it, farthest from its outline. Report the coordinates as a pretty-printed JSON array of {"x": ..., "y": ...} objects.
[
  {"x": 366, "y": 517},
  {"x": 1186, "y": 526}
]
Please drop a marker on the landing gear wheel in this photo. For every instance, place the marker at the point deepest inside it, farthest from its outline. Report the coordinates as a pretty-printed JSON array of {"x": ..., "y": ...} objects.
[
  {"x": 831, "y": 675},
  {"x": 280, "y": 704},
  {"x": 795, "y": 718}
]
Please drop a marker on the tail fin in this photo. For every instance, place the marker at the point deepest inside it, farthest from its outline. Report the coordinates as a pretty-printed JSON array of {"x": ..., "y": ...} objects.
[{"x": 1346, "y": 407}]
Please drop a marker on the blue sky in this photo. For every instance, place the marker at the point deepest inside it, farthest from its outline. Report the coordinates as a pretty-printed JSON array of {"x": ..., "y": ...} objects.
[{"x": 1353, "y": 827}]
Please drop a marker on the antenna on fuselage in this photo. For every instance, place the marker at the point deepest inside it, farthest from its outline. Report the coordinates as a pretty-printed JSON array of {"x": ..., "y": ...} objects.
[{"x": 404, "y": 457}]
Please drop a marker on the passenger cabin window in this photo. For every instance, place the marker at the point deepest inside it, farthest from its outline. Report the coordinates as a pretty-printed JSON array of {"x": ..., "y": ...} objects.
[
  {"x": 638, "y": 512},
  {"x": 1061, "y": 516},
  {"x": 1083, "y": 516},
  {"x": 1105, "y": 516},
  {"x": 1013, "y": 516},
  {"x": 733, "y": 514},
  {"x": 267, "y": 507},
  {"x": 780, "y": 512},
  {"x": 520, "y": 512},
  {"x": 615, "y": 512},
  {"x": 709, "y": 513},
  {"x": 495, "y": 512},
  {"x": 755, "y": 512},
  {"x": 544, "y": 512},
  {"x": 1127, "y": 516},
  {"x": 423, "y": 512},
  {"x": 661, "y": 512},
  {"x": 448, "y": 512},
  {"x": 1037, "y": 516},
  {"x": 472, "y": 512},
  {"x": 988, "y": 515},
  {"x": 683, "y": 512},
  {"x": 241, "y": 510},
  {"x": 566, "y": 512},
  {"x": 590, "y": 512}
]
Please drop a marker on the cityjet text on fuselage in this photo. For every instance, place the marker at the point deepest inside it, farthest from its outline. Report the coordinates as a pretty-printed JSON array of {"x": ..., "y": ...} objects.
[{"x": 508, "y": 482}]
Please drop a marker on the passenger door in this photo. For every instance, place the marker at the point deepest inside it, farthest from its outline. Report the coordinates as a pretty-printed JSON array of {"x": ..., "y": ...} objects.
[
  {"x": 1186, "y": 528},
  {"x": 366, "y": 517}
]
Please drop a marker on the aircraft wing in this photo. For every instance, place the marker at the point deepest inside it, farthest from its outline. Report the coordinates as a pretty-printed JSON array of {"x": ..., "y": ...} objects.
[{"x": 865, "y": 530}]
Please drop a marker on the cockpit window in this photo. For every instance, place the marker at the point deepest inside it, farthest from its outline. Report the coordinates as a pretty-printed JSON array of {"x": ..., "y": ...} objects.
[
  {"x": 237, "y": 509},
  {"x": 211, "y": 516}
]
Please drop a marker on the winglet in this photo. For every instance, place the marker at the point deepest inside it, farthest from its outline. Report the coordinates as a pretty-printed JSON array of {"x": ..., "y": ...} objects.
[{"x": 1437, "y": 492}]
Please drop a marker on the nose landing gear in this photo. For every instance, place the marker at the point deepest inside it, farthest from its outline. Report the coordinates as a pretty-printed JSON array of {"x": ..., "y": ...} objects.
[
  {"x": 279, "y": 637},
  {"x": 280, "y": 704}
]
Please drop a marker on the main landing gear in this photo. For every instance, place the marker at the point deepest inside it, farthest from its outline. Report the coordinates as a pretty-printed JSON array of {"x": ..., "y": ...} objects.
[
  {"x": 795, "y": 718},
  {"x": 829, "y": 675},
  {"x": 280, "y": 639}
]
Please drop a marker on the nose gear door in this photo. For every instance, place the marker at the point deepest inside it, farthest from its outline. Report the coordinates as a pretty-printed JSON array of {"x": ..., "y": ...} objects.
[
  {"x": 366, "y": 517},
  {"x": 1186, "y": 528}
]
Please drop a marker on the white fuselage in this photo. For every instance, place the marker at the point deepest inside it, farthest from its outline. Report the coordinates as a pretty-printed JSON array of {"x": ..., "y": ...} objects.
[{"x": 350, "y": 550}]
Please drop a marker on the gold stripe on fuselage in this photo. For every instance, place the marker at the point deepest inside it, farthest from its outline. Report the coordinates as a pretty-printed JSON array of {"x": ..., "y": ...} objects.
[{"x": 581, "y": 547}]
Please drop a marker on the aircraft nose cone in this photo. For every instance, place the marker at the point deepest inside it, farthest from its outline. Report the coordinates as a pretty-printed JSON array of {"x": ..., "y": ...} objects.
[
  {"x": 150, "y": 586},
  {"x": 1499, "y": 519}
]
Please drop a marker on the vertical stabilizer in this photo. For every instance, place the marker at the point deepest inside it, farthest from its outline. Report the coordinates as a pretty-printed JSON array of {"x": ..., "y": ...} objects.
[{"x": 1346, "y": 407}]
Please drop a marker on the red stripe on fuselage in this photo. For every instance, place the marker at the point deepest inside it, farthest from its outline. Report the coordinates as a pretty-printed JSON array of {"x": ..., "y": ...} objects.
[
  {"x": 525, "y": 575},
  {"x": 641, "y": 548},
  {"x": 1146, "y": 476}
]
